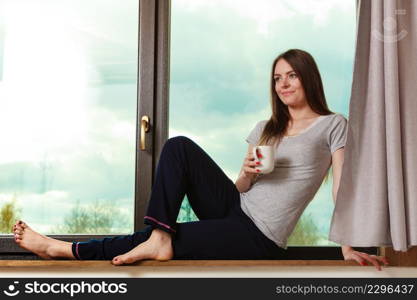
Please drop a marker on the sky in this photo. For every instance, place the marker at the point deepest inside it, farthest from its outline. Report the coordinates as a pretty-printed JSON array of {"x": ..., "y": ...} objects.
[{"x": 68, "y": 106}]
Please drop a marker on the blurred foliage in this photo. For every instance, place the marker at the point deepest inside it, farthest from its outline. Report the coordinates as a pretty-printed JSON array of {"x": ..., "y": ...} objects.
[
  {"x": 96, "y": 218},
  {"x": 9, "y": 214},
  {"x": 305, "y": 233},
  {"x": 186, "y": 213}
]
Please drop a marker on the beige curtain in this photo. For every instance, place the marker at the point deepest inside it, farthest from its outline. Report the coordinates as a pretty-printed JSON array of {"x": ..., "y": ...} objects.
[{"x": 377, "y": 198}]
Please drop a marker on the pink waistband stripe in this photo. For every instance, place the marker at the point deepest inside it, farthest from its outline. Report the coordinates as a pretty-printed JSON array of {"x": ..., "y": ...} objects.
[{"x": 159, "y": 223}]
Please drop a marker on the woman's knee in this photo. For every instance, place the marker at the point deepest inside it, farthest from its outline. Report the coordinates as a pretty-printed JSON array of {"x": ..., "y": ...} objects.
[{"x": 178, "y": 141}]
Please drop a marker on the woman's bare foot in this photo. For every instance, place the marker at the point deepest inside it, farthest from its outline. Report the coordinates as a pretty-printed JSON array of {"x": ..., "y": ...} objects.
[
  {"x": 157, "y": 247},
  {"x": 41, "y": 245}
]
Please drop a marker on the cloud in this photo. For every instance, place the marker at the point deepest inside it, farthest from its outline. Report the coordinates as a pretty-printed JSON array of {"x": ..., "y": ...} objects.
[
  {"x": 220, "y": 133},
  {"x": 100, "y": 18},
  {"x": 104, "y": 161},
  {"x": 264, "y": 13}
]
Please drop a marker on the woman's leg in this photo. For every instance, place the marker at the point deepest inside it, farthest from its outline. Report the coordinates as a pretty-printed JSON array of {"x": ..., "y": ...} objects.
[
  {"x": 108, "y": 248},
  {"x": 157, "y": 247},
  {"x": 233, "y": 237},
  {"x": 105, "y": 249},
  {"x": 185, "y": 169}
]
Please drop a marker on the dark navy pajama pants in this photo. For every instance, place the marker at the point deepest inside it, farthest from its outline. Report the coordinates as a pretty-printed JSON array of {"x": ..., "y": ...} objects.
[{"x": 223, "y": 231}]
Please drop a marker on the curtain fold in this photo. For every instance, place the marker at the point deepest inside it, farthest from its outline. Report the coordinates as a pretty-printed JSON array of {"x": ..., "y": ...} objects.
[{"x": 377, "y": 198}]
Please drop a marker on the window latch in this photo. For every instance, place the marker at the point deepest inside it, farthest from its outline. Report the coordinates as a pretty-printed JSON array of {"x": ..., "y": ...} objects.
[{"x": 144, "y": 128}]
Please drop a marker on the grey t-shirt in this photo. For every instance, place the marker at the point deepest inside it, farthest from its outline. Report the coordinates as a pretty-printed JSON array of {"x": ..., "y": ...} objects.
[{"x": 276, "y": 200}]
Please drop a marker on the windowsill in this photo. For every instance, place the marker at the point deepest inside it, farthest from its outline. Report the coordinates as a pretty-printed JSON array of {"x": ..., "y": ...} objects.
[
  {"x": 176, "y": 263},
  {"x": 198, "y": 269}
]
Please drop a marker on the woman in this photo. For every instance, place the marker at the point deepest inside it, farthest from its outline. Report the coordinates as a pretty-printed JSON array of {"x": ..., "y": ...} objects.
[{"x": 249, "y": 219}]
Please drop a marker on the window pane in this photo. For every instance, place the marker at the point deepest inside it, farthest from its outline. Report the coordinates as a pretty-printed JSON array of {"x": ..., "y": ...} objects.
[
  {"x": 68, "y": 85},
  {"x": 221, "y": 55}
]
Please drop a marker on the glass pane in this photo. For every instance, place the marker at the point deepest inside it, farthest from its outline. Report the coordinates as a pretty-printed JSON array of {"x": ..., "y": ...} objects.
[
  {"x": 68, "y": 85},
  {"x": 221, "y": 56}
]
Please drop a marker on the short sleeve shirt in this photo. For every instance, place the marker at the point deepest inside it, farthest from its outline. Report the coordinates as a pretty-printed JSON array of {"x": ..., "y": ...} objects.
[{"x": 276, "y": 200}]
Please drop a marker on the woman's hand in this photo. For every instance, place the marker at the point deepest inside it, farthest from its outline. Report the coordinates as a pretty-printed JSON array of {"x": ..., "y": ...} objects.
[
  {"x": 249, "y": 166},
  {"x": 363, "y": 258},
  {"x": 248, "y": 172}
]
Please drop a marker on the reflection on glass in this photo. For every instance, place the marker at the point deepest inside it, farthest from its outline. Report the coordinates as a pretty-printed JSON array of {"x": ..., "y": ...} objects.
[
  {"x": 220, "y": 66},
  {"x": 68, "y": 114}
]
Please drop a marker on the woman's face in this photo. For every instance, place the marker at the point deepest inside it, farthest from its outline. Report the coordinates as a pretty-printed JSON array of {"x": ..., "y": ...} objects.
[{"x": 288, "y": 86}]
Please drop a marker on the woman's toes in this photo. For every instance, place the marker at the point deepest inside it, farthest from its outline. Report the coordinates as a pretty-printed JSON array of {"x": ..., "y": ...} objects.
[
  {"x": 117, "y": 261},
  {"x": 22, "y": 224},
  {"x": 123, "y": 259}
]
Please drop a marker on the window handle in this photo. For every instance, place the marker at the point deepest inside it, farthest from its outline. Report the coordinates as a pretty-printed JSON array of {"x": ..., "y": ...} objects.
[{"x": 144, "y": 127}]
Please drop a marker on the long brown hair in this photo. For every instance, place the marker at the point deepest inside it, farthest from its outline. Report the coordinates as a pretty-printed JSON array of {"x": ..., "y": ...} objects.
[{"x": 306, "y": 69}]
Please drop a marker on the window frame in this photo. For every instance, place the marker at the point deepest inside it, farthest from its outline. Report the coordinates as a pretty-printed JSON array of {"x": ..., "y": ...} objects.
[{"x": 153, "y": 93}]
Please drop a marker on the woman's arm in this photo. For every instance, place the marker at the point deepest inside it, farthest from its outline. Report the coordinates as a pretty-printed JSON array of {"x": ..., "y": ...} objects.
[
  {"x": 348, "y": 252},
  {"x": 247, "y": 173},
  {"x": 337, "y": 164}
]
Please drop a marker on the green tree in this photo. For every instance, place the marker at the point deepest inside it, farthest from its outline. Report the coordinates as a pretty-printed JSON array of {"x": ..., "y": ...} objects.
[
  {"x": 305, "y": 232},
  {"x": 96, "y": 218},
  {"x": 9, "y": 213}
]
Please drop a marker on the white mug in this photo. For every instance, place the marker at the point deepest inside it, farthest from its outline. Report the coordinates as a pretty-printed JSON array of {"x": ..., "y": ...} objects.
[{"x": 267, "y": 160}]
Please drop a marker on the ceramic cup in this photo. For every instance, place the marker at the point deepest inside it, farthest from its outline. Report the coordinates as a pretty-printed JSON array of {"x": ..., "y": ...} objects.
[{"x": 267, "y": 160}]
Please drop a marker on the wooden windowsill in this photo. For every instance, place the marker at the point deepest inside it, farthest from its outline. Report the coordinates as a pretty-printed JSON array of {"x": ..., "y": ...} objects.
[{"x": 176, "y": 263}]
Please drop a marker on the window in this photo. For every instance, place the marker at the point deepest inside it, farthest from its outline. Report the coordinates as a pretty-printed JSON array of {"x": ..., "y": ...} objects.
[
  {"x": 221, "y": 55},
  {"x": 68, "y": 90}
]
